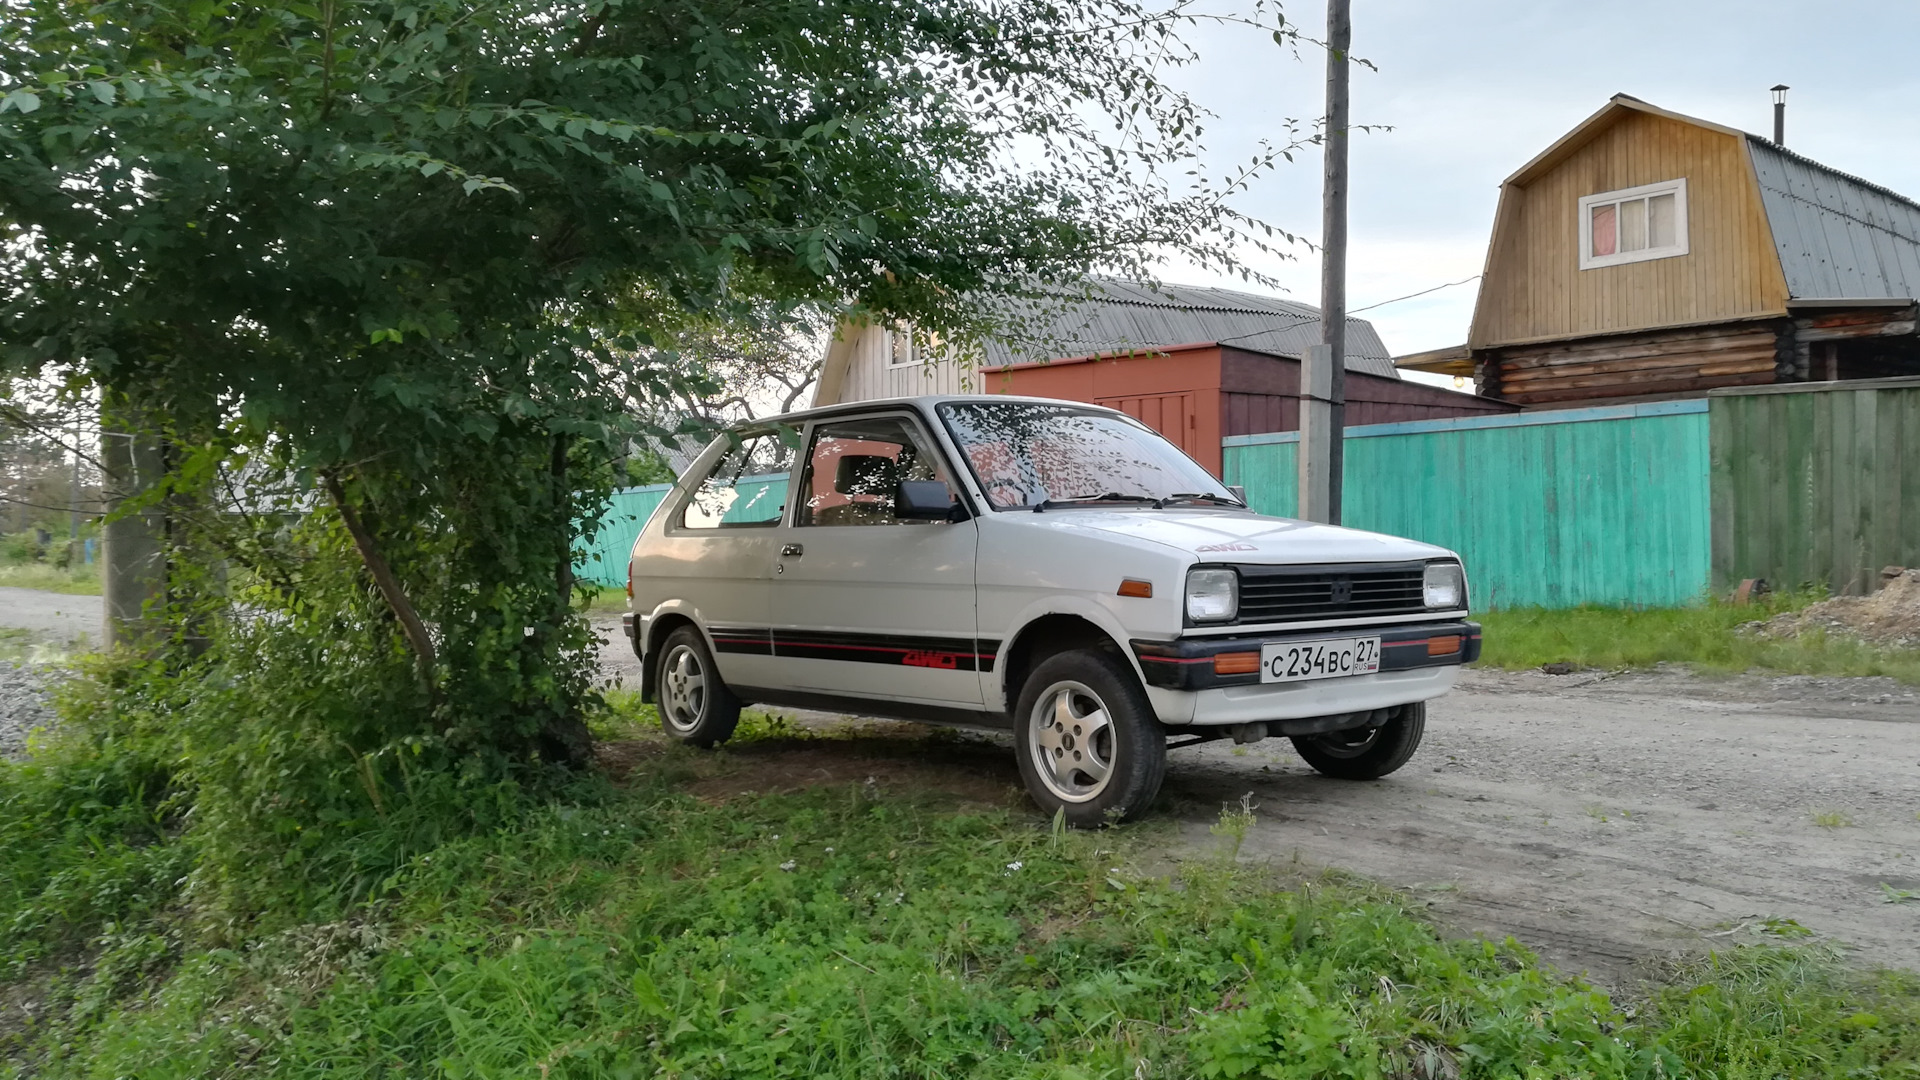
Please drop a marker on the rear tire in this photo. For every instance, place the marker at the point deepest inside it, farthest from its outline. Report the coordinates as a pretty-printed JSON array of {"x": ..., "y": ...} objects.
[
  {"x": 1088, "y": 743},
  {"x": 1366, "y": 753},
  {"x": 695, "y": 705}
]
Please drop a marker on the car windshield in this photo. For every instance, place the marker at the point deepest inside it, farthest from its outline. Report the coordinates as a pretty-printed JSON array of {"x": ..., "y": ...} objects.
[{"x": 1028, "y": 455}]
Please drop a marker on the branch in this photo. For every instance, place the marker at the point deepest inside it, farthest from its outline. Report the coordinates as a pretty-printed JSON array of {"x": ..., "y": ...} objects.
[{"x": 383, "y": 577}]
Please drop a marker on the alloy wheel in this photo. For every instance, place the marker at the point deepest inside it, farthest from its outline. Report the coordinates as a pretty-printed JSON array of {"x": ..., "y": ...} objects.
[
  {"x": 1070, "y": 740},
  {"x": 683, "y": 689}
]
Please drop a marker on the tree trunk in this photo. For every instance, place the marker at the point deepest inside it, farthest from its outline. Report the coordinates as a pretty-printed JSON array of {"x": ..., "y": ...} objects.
[
  {"x": 564, "y": 740},
  {"x": 389, "y": 585}
]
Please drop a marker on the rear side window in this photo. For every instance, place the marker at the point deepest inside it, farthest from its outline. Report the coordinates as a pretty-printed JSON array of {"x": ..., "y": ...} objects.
[{"x": 747, "y": 487}]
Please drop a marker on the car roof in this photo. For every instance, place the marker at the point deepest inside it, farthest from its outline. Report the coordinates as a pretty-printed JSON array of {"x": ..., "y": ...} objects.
[{"x": 923, "y": 402}]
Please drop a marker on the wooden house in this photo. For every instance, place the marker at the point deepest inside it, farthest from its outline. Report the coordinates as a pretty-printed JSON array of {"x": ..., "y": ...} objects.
[
  {"x": 1195, "y": 364},
  {"x": 1651, "y": 255}
]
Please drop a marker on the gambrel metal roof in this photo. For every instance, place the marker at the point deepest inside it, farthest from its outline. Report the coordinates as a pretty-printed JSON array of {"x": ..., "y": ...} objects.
[
  {"x": 1116, "y": 316},
  {"x": 1839, "y": 237}
]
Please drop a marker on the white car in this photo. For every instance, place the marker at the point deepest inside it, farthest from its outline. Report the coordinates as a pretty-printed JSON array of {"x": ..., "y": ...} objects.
[{"x": 1050, "y": 568}]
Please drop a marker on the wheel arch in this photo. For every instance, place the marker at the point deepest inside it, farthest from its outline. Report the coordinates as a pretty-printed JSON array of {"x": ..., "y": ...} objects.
[
  {"x": 658, "y": 628},
  {"x": 1049, "y": 634}
]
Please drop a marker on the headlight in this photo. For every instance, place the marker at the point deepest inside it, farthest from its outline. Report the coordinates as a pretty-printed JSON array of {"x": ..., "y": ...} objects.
[
  {"x": 1212, "y": 595},
  {"x": 1446, "y": 585}
]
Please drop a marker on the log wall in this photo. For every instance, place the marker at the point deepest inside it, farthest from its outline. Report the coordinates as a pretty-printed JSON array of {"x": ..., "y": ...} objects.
[{"x": 1631, "y": 365}]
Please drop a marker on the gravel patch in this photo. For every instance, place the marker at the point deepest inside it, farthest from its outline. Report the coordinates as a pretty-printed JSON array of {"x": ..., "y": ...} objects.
[{"x": 23, "y": 706}]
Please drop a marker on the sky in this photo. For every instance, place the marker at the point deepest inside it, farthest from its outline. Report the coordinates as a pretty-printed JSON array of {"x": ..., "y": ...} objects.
[{"x": 1473, "y": 89}]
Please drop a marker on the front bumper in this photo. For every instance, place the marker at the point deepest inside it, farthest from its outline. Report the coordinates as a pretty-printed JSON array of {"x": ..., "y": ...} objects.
[
  {"x": 1185, "y": 689},
  {"x": 1188, "y": 663}
]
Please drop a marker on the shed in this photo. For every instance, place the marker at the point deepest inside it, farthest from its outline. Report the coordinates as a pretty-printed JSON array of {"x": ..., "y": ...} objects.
[
  {"x": 1194, "y": 363},
  {"x": 1196, "y": 394}
]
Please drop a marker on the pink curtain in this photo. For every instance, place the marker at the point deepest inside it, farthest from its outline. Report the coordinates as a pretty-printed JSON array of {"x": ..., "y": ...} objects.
[{"x": 1605, "y": 231}]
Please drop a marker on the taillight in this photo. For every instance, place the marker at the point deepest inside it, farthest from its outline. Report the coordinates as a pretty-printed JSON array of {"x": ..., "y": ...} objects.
[{"x": 629, "y": 581}]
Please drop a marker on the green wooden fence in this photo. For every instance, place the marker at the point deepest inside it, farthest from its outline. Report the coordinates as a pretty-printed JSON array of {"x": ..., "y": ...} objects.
[
  {"x": 603, "y": 560},
  {"x": 1816, "y": 484},
  {"x": 1550, "y": 509}
]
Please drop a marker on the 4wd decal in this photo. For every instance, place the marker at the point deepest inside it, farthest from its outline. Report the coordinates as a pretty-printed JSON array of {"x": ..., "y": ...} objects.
[
  {"x": 1236, "y": 546},
  {"x": 922, "y": 658}
]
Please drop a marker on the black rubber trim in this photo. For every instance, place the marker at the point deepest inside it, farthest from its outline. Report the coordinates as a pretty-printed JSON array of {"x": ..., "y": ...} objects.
[
  {"x": 1187, "y": 663},
  {"x": 748, "y": 640},
  {"x": 939, "y": 653},
  {"x": 858, "y": 706}
]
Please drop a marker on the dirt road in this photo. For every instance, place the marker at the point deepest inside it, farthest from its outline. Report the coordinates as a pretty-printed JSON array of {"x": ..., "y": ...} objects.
[
  {"x": 50, "y": 616},
  {"x": 1607, "y": 820}
]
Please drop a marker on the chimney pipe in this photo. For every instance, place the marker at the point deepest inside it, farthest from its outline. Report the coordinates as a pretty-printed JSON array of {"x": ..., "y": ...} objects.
[{"x": 1780, "y": 114}]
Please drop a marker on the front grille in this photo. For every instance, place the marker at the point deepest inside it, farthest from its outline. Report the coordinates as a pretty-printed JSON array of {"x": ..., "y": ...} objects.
[{"x": 1286, "y": 593}]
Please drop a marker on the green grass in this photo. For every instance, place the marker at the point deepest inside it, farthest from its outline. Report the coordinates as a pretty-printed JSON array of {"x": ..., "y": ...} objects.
[
  {"x": 841, "y": 932},
  {"x": 81, "y": 581},
  {"x": 1704, "y": 636}
]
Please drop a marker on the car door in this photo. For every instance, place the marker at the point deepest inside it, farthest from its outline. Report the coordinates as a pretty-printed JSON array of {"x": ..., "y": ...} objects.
[
  {"x": 719, "y": 548},
  {"x": 866, "y": 604}
]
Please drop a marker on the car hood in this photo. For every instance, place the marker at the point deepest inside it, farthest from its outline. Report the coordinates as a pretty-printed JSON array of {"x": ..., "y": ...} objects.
[{"x": 1230, "y": 536}]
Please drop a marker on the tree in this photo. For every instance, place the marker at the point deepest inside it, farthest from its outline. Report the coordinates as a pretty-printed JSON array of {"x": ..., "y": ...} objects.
[{"x": 384, "y": 257}]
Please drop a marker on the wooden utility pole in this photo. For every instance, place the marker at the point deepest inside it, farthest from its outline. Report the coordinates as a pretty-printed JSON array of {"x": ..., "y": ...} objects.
[{"x": 1323, "y": 371}]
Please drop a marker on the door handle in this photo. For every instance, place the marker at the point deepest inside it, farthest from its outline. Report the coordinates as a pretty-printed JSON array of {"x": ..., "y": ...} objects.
[{"x": 792, "y": 551}]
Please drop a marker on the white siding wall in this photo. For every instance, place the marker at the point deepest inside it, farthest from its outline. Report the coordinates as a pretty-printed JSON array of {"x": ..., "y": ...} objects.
[{"x": 870, "y": 373}]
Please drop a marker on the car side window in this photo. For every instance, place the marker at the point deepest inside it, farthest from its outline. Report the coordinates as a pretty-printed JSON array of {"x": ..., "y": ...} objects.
[
  {"x": 747, "y": 488},
  {"x": 854, "y": 470}
]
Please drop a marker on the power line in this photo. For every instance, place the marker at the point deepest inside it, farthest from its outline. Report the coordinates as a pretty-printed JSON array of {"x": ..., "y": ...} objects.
[{"x": 1410, "y": 296}]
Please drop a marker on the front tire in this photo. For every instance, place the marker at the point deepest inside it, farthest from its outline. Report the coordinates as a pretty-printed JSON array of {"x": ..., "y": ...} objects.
[
  {"x": 1088, "y": 743},
  {"x": 1366, "y": 753},
  {"x": 695, "y": 706}
]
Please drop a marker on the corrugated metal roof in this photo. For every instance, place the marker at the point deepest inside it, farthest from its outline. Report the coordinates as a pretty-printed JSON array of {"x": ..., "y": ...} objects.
[
  {"x": 1839, "y": 236},
  {"x": 1122, "y": 315}
]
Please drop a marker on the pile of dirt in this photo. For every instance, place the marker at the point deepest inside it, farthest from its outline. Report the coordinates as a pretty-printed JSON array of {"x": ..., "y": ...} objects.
[{"x": 1888, "y": 617}]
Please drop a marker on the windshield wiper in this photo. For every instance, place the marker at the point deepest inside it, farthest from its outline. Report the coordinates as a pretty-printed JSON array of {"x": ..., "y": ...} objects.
[
  {"x": 1204, "y": 496},
  {"x": 1077, "y": 500}
]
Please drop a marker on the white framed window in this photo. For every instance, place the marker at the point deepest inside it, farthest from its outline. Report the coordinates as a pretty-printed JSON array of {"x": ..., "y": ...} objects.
[
  {"x": 1633, "y": 225},
  {"x": 902, "y": 350}
]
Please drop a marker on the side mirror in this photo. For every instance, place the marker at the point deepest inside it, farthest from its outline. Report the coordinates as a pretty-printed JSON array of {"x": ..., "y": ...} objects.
[
  {"x": 926, "y": 500},
  {"x": 1237, "y": 492}
]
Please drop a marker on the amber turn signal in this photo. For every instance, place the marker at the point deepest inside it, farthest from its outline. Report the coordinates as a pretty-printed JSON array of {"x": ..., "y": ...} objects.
[
  {"x": 1443, "y": 646},
  {"x": 1136, "y": 587},
  {"x": 1236, "y": 663}
]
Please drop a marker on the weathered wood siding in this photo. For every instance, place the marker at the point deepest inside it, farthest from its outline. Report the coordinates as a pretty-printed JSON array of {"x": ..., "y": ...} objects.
[
  {"x": 1558, "y": 509},
  {"x": 1661, "y": 362},
  {"x": 1534, "y": 288},
  {"x": 870, "y": 373},
  {"x": 1816, "y": 484}
]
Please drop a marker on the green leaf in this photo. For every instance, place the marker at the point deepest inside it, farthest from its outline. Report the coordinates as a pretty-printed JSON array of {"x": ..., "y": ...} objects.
[
  {"x": 102, "y": 91},
  {"x": 648, "y": 995},
  {"x": 23, "y": 100}
]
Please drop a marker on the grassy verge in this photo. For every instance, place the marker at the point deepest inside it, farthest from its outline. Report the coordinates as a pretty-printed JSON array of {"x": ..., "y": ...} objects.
[
  {"x": 843, "y": 931},
  {"x": 80, "y": 581},
  {"x": 1706, "y": 636}
]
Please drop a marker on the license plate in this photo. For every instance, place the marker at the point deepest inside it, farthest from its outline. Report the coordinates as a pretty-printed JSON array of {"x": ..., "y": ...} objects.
[{"x": 1328, "y": 658}]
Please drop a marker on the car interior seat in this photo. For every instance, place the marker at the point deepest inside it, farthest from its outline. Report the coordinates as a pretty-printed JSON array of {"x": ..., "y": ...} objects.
[{"x": 869, "y": 482}]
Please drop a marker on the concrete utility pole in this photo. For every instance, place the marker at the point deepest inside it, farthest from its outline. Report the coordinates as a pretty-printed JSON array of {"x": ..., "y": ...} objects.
[
  {"x": 133, "y": 572},
  {"x": 1323, "y": 371}
]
